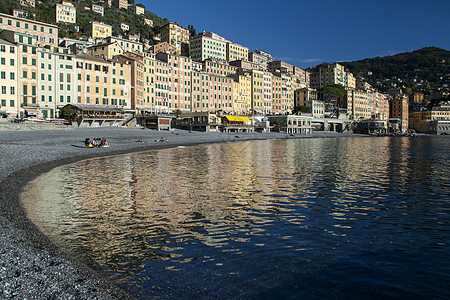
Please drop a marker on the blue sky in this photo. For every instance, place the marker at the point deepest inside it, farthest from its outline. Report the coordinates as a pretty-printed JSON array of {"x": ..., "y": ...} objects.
[{"x": 307, "y": 33}]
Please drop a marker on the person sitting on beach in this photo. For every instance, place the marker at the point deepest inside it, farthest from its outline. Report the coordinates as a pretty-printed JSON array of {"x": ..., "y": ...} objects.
[
  {"x": 97, "y": 142},
  {"x": 88, "y": 143},
  {"x": 141, "y": 141},
  {"x": 104, "y": 143}
]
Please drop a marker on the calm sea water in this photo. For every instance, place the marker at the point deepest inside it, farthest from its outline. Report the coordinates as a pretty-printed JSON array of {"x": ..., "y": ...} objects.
[{"x": 312, "y": 218}]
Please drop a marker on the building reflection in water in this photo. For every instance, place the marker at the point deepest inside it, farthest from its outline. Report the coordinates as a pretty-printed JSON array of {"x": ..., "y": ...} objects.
[{"x": 121, "y": 212}]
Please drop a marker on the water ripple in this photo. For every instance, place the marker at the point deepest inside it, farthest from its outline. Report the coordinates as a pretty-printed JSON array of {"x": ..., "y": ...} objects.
[{"x": 294, "y": 218}]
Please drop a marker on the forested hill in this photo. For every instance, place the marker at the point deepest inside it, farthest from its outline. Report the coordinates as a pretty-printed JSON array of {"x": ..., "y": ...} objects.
[
  {"x": 45, "y": 12},
  {"x": 425, "y": 70}
]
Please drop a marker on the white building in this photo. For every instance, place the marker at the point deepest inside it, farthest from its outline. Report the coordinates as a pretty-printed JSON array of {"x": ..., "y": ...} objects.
[
  {"x": 267, "y": 92},
  {"x": 148, "y": 22},
  {"x": 97, "y": 9},
  {"x": 122, "y": 26},
  {"x": 139, "y": 10},
  {"x": 56, "y": 81},
  {"x": 208, "y": 45},
  {"x": 127, "y": 45},
  {"x": 66, "y": 12},
  {"x": 9, "y": 104}
]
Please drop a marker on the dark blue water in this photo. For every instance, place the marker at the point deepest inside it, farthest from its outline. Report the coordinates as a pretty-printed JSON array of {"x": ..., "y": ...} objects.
[{"x": 313, "y": 218}]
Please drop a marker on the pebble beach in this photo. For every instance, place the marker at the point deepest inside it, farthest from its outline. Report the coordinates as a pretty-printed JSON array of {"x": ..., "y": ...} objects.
[{"x": 31, "y": 267}]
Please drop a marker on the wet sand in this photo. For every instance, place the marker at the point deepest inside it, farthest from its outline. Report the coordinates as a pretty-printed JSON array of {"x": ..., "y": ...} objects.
[{"x": 30, "y": 265}]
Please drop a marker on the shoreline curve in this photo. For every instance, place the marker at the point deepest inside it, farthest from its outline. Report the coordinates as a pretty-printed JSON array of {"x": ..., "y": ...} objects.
[{"x": 31, "y": 266}]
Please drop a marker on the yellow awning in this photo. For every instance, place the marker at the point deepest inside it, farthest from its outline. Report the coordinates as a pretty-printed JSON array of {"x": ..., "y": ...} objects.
[{"x": 237, "y": 119}]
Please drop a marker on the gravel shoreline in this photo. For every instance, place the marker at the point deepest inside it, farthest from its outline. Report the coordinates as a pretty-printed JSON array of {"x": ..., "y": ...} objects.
[{"x": 31, "y": 267}]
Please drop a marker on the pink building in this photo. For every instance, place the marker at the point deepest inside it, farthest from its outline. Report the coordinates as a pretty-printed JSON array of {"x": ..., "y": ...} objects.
[
  {"x": 314, "y": 80},
  {"x": 20, "y": 13},
  {"x": 162, "y": 86},
  {"x": 164, "y": 47},
  {"x": 179, "y": 80},
  {"x": 31, "y": 3},
  {"x": 221, "y": 93},
  {"x": 244, "y": 65},
  {"x": 108, "y": 2},
  {"x": 137, "y": 78},
  {"x": 120, "y": 4},
  {"x": 303, "y": 76}
]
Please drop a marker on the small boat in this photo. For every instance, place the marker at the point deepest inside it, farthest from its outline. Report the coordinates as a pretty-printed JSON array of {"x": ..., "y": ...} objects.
[{"x": 60, "y": 121}]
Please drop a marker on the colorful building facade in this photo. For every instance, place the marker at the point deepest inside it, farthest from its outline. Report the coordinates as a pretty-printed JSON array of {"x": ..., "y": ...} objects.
[{"x": 66, "y": 12}]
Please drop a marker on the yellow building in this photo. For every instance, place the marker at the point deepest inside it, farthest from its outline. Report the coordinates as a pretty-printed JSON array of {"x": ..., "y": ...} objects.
[
  {"x": 98, "y": 30},
  {"x": 277, "y": 94},
  {"x": 257, "y": 91},
  {"x": 104, "y": 82},
  {"x": 236, "y": 52},
  {"x": 176, "y": 36},
  {"x": 351, "y": 81},
  {"x": 200, "y": 92},
  {"x": 359, "y": 105},
  {"x": 242, "y": 93},
  {"x": 106, "y": 51},
  {"x": 287, "y": 94},
  {"x": 332, "y": 74},
  {"x": 46, "y": 34},
  {"x": 218, "y": 68},
  {"x": 423, "y": 119},
  {"x": 66, "y": 12},
  {"x": 9, "y": 104}
]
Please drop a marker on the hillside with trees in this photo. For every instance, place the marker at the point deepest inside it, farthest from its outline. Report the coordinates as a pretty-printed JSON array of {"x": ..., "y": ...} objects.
[
  {"x": 426, "y": 70},
  {"x": 45, "y": 12}
]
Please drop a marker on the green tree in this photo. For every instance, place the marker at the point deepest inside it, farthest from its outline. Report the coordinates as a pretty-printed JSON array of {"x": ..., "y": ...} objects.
[
  {"x": 334, "y": 90},
  {"x": 177, "y": 112},
  {"x": 331, "y": 94},
  {"x": 66, "y": 113},
  {"x": 62, "y": 33},
  {"x": 192, "y": 31},
  {"x": 302, "y": 109}
]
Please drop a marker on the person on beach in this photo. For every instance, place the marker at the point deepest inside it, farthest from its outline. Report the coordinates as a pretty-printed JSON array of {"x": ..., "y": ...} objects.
[{"x": 104, "y": 143}]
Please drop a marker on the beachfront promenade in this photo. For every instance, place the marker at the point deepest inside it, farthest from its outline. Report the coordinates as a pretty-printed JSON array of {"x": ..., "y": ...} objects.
[{"x": 30, "y": 266}]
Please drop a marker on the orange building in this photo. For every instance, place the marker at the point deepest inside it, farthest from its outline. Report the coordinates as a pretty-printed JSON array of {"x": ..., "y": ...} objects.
[
  {"x": 399, "y": 111},
  {"x": 137, "y": 78}
]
